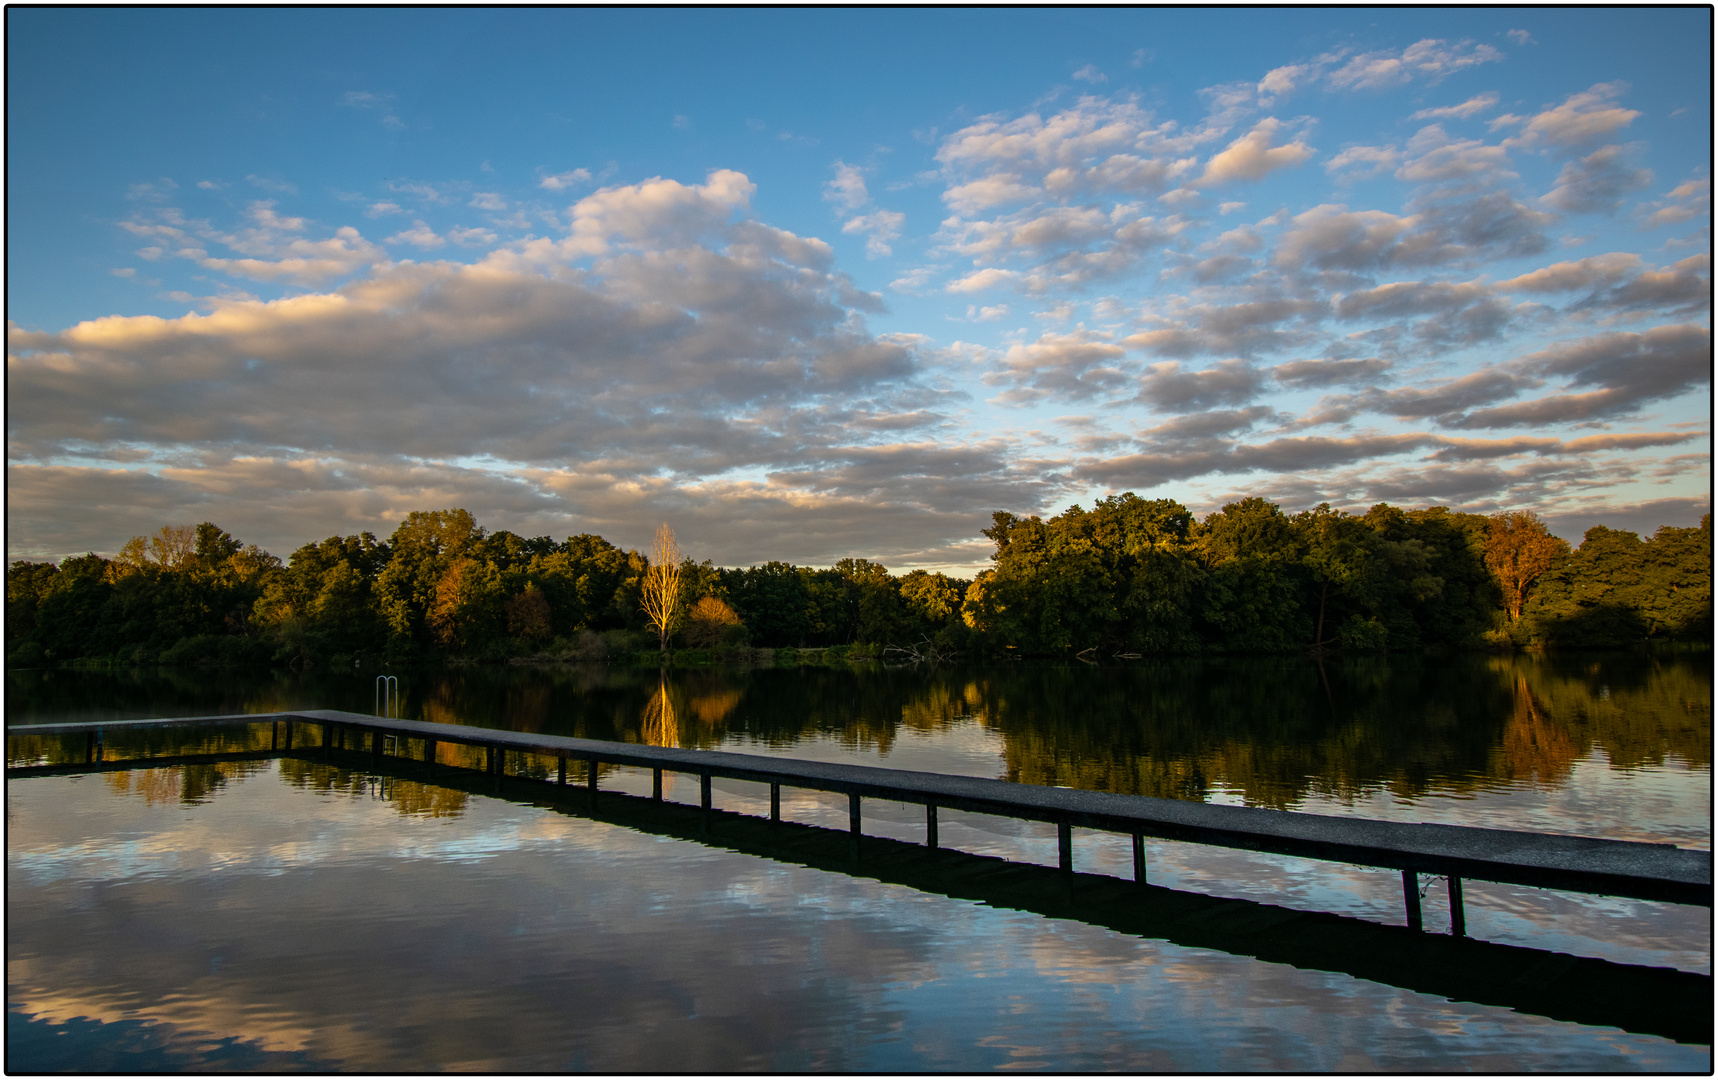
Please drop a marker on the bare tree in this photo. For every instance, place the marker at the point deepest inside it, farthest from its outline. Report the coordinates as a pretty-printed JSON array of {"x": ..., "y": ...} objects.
[{"x": 662, "y": 585}]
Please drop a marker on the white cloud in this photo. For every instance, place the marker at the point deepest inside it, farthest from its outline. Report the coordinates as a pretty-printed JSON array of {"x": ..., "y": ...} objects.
[
  {"x": 1438, "y": 158},
  {"x": 878, "y": 228},
  {"x": 1473, "y": 106},
  {"x": 1252, "y": 156},
  {"x": 1429, "y": 59},
  {"x": 1687, "y": 200},
  {"x": 1091, "y": 74},
  {"x": 1582, "y": 118},
  {"x": 1362, "y": 162},
  {"x": 656, "y": 210},
  {"x": 848, "y": 187},
  {"x": 472, "y": 237},
  {"x": 419, "y": 235},
  {"x": 383, "y": 209},
  {"x": 1282, "y": 80},
  {"x": 979, "y": 280},
  {"x": 488, "y": 200},
  {"x": 704, "y": 347},
  {"x": 987, "y": 192},
  {"x": 563, "y": 181}
]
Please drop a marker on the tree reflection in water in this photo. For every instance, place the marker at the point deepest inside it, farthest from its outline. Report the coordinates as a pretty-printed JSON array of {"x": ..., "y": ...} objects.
[{"x": 1272, "y": 732}]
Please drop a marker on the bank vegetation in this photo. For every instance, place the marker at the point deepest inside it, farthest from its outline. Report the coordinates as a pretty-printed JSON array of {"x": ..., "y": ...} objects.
[{"x": 1130, "y": 577}]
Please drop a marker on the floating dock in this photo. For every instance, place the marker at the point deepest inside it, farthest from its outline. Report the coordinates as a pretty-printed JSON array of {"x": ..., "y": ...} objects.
[{"x": 1642, "y": 871}]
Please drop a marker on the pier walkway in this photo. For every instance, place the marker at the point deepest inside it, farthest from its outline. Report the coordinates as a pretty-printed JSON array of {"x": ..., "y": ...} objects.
[{"x": 1660, "y": 872}]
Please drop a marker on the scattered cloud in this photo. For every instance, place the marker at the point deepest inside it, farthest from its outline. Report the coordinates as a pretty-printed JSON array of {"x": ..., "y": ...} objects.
[
  {"x": 1581, "y": 119},
  {"x": 267, "y": 183},
  {"x": 1472, "y": 107},
  {"x": 1684, "y": 202},
  {"x": 1253, "y": 155},
  {"x": 1429, "y": 59},
  {"x": 563, "y": 181},
  {"x": 878, "y": 228},
  {"x": 847, "y": 190},
  {"x": 419, "y": 235}
]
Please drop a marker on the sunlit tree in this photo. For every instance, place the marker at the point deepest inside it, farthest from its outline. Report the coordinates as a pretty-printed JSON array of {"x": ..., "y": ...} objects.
[
  {"x": 661, "y": 599},
  {"x": 711, "y": 622},
  {"x": 1519, "y": 550}
]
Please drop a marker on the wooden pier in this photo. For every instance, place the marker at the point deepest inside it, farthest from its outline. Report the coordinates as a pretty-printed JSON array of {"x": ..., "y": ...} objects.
[{"x": 1659, "y": 872}]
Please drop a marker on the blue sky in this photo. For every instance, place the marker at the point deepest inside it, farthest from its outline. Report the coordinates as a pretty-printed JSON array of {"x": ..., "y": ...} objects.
[{"x": 810, "y": 284}]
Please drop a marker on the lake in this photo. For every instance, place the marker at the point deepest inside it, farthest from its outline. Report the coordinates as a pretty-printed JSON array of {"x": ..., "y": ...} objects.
[{"x": 290, "y": 914}]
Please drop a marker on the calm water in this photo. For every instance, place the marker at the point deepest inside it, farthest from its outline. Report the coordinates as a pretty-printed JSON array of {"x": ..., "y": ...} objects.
[{"x": 288, "y": 914}]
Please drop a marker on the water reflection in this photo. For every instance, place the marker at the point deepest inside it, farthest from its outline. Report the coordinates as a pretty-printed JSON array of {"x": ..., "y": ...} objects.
[
  {"x": 331, "y": 932},
  {"x": 1273, "y": 732}
]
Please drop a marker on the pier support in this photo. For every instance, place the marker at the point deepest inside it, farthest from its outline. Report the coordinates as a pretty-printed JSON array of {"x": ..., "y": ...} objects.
[
  {"x": 1458, "y": 917},
  {"x": 656, "y": 783},
  {"x": 274, "y": 735},
  {"x": 704, "y": 798},
  {"x": 288, "y": 745},
  {"x": 931, "y": 825},
  {"x": 429, "y": 754},
  {"x": 89, "y": 748},
  {"x": 853, "y": 822},
  {"x": 1411, "y": 897},
  {"x": 1065, "y": 847},
  {"x": 591, "y": 781},
  {"x": 775, "y": 802},
  {"x": 561, "y": 770},
  {"x": 1139, "y": 858}
]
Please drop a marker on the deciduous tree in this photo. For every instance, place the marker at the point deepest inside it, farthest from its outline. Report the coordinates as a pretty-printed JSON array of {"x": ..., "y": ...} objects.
[
  {"x": 1519, "y": 550},
  {"x": 661, "y": 599}
]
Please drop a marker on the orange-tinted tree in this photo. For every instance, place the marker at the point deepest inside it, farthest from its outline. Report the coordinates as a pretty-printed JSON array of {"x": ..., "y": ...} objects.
[{"x": 1519, "y": 550}]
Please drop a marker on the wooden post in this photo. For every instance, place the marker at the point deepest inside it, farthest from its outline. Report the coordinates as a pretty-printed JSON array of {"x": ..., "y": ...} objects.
[
  {"x": 377, "y": 738},
  {"x": 1458, "y": 917},
  {"x": 591, "y": 780},
  {"x": 327, "y": 739},
  {"x": 288, "y": 735},
  {"x": 1411, "y": 896},
  {"x": 1139, "y": 858},
  {"x": 704, "y": 798},
  {"x": 429, "y": 754},
  {"x": 931, "y": 825},
  {"x": 89, "y": 748},
  {"x": 1065, "y": 847},
  {"x": 656, "y": 783},
  {"x": 99, "y": 749},
  {"x": 274, "y": 735},
  {"x": 853, "y": 822},
  {"x": 775, "y": 802},
  {"x": 561, "y": 770}
]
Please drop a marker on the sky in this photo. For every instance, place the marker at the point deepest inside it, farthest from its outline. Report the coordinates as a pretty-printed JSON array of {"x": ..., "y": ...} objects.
[{"x": 810, "y": 284}]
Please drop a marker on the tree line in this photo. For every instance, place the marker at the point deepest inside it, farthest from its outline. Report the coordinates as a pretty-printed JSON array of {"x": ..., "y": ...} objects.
[{"x": 1129, "y": 577}]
